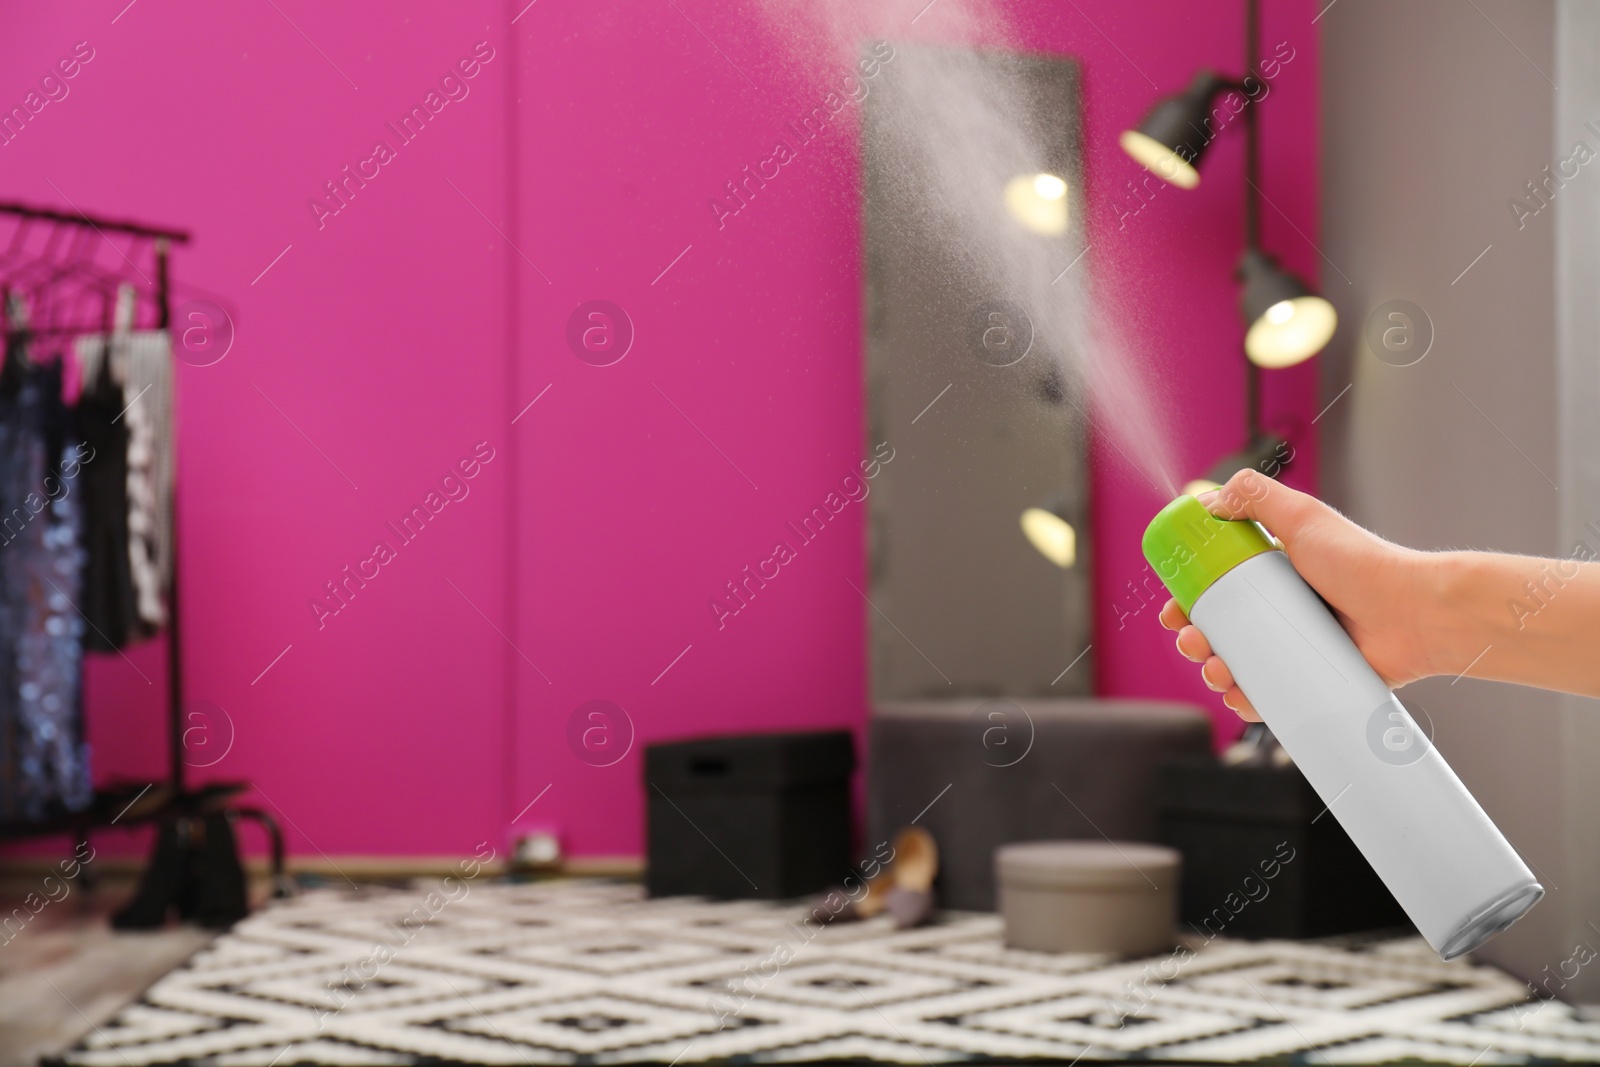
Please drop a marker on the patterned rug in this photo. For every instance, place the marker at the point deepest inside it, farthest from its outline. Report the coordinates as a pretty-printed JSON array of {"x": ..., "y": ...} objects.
[{"x": 591, "y": 972}]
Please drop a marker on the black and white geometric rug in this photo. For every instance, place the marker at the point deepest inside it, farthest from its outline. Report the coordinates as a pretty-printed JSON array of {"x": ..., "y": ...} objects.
[{"x": 592, "y": 972}]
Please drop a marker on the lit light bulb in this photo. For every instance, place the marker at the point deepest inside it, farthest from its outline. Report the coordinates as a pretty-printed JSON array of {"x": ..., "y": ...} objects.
[
  {"x": 1038, "y": 202},
  {"x": 1049, "y": 187},
  {"x": 1052, "y": 535},
  {"x": 1160, "y": 160},
  {"x": 1290, "y": 331}
]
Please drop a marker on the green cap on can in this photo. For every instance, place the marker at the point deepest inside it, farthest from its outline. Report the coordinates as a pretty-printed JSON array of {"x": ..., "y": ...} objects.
[{"x": 1190, "y": 548}]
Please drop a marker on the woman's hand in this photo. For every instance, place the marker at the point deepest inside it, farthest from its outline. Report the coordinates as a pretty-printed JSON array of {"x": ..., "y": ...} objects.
[{"x": 1380, "y": 592}]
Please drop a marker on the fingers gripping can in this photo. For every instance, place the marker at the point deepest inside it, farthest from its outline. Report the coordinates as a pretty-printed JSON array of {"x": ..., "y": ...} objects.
[{"x": 1445, "y": 861}]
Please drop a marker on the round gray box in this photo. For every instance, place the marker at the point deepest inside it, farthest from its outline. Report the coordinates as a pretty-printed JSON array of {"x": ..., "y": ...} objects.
[{"x": 1088, "y": 896}]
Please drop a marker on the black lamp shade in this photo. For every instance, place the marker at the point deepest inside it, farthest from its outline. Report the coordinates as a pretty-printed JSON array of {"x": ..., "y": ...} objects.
[
  {"x": 1265, "y": 284},
  {"x": 1285, "y": 321},
  {"x": 1176, "y": 132},
  {"x": 1268, "y": 454}
]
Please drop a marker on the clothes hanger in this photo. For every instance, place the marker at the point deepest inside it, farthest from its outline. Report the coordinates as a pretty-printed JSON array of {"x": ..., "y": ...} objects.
[
  {"x": 13, "y": 262},
  {"x": 19, "y": 275},
  {"x": 16, "y": 249},
  {"x": 26, "y": 281},
  {"x": 77, "y": 280}
]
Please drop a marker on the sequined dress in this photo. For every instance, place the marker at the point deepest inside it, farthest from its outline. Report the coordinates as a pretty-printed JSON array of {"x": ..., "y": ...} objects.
[{"x": 44, "y": 759}]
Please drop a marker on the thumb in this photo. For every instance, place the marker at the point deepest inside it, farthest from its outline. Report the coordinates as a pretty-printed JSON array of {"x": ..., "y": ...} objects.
[{"x": 1286, "y": 513}]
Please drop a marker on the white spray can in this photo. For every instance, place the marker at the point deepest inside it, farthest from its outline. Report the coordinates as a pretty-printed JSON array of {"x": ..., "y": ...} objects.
[{"x": 1447, "y": 864}]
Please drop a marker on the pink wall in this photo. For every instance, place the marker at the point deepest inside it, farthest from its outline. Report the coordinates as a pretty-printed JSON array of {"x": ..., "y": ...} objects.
[{"x": 404, "y": 330}]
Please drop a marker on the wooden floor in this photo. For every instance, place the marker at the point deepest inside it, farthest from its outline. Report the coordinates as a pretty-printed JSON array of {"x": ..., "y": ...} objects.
[{"x": 66, "y": 971}]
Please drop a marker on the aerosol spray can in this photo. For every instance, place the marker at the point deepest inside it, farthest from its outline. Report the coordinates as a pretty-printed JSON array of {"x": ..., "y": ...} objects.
[{"x": 1447, "y": 864}]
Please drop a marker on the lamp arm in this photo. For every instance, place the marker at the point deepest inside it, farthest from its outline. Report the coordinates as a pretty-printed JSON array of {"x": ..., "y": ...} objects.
[{"x": 1252, "y": 200}]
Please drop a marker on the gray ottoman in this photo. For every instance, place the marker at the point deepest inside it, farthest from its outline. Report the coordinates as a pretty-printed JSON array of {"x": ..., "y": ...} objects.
[{"x": 1020, "y": 770}]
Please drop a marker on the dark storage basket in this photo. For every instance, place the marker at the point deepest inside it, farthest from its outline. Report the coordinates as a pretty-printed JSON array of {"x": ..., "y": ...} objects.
[
  {"x": 755, "y": 816},
  {"x": 1262, "y": 857}
]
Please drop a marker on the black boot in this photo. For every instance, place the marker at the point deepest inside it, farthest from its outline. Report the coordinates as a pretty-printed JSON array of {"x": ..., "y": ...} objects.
[
  {"x": 162, "y": 881},
  {"x": 195, "y": 870},
  {"x": 220, "y": 892}
]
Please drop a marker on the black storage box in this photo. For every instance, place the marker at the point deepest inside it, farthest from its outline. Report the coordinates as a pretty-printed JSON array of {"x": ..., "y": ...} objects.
[
  {"x": 762, "y": 816},
  {"x": 1263, "y": 858}
]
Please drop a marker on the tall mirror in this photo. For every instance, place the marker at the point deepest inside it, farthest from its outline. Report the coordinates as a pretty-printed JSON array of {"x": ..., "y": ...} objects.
[{"x": 974, "y": 274}]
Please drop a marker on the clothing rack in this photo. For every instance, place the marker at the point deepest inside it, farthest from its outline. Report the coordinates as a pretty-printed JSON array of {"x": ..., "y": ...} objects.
[{"x": 74, "y": 241}]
